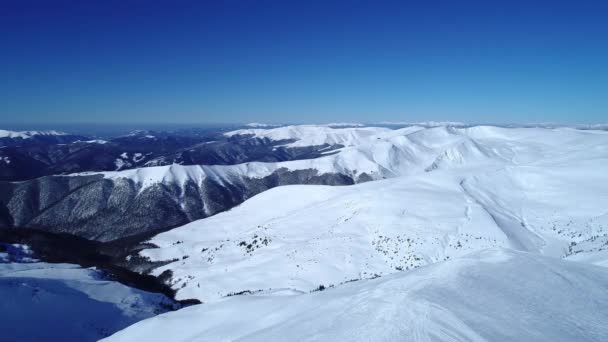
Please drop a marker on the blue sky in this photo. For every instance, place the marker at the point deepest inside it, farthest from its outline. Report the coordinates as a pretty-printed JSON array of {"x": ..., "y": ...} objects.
[{"x": 303, "y": 61}]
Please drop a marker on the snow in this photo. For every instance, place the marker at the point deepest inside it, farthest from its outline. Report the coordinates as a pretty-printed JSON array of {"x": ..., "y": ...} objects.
[
  {"x": 333, "y": 124},
  {"x": 344, "y": 124},
  {"x": 449, "y": 191},
  {"x": 180, "y": 174},
  {"x": 491, "y": 295},
  {"x": 16, "y": 253},
  {"x": 137, "y": 157},
  {"x": 119, "y": 163},
  {"x": 383, "y": 153},
  {"x": 149, "y": 176},
  {"x": 260, "y": 125},
  {"x": 64, "y": 302},
  {"x": 95, "y": 141},
  {"x": 378, "y": 152},
  {"x": 124, "y": 161},
  {"x": 313, "y": 135},
  {"x": 423, "y": 123},
  {"x": 26, "y": 134},
  {"x": 479, "y": 233}
]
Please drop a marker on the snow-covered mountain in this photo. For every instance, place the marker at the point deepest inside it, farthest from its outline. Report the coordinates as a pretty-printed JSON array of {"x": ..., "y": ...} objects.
[
  {"x": 493, "y": 295},
  {"x": 171, "y": 195},
  {"x": 29, "y": 138},
  {"x": 449, "y": 217},
  {"x": 423, "y": 123},
  {"x": 27, "y": 134},
  {"x": 447, "y": 192},
  {"x": 313, "y": 135}
]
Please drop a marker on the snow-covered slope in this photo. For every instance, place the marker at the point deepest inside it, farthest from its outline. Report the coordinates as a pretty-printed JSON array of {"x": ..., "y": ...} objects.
[
  {"x": 374, "y": 152},
  {"x": 64, "y": 302},
  {"x": 423, "y": 123},
  {"x": 465, "y": 233},
  {"x": 314, "y": 135},
  {"x": 298, "y": 237},
  {"x": 537, "y": 190},
  {"x": 261, "y": 125},
  {"x": 27, "y": 134},
  {"x": 39, "y": 138},
  {"x": 493, "y": 295},
  {"x": 368, "y": 153}
]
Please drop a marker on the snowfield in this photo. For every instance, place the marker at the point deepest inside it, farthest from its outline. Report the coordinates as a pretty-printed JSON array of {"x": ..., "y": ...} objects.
[
  {"x": 493, "y": 295},
  {"x": 455, "y": 192},
  {"x": 451, "y": 233}
]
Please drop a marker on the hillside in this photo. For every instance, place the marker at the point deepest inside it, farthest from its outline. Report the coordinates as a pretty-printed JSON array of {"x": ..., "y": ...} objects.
[{"x": 494, "y": 295}]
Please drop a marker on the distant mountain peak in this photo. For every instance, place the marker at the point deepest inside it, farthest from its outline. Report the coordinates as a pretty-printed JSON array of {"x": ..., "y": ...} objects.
[{"x": 27, "y": 134}]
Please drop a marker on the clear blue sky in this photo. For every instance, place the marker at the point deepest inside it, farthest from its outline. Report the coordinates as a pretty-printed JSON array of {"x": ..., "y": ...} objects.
[{"x": 303, "y": 61}]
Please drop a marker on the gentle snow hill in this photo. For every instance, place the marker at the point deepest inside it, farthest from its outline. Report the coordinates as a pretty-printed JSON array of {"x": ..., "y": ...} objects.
[
  {"x": 536, "y": 190},
  {"x": 492, "y": 295},
  {"x": 64, "y": 302}
]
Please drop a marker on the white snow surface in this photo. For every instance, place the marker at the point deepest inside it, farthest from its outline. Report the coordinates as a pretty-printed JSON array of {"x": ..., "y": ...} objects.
[
  {"x": 449, "y": 192},
  {"x": 422, "y": 123},
  {"x": 476, "y": 234},
  {"x": 261, "y": 125},
  {"x": 491, "y": 295},
  {"x": 26, "y": 134},
  {"x": 344, "y": 124},
  {"x": 94, "y": 141},
  {"x": 313, "y": 135},
  {"x": 377, "y": 152},
  {"x": 64, "y": 302}
]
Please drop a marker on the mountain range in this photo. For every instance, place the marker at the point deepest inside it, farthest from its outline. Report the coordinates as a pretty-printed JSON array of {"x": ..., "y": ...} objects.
[{"x": 446, "y": 228}]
